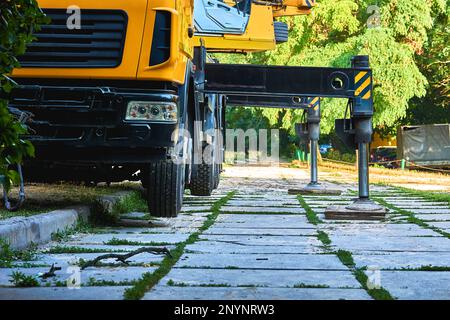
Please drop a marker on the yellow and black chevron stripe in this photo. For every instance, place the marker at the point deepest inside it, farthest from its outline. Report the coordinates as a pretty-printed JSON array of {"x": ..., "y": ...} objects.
[
  {"x": 363, "y": 85},
  {"x": 310, "y": 3},
  {"x": 314, "y": 103}
]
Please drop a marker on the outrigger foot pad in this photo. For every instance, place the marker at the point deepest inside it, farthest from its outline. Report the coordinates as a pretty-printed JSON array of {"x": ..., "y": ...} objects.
[
  {"x": 361, "y": 209},
  {"x": 315, "y": 189}
]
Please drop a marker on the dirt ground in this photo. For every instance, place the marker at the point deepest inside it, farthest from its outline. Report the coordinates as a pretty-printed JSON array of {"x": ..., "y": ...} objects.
[{"x": 339, "y": 173}]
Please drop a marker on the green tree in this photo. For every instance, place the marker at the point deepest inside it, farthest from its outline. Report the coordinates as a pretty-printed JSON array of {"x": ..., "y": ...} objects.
[
  {"x": 434, "y": 63},
  {"x": 338, "y": 30},
  {"x": 18, "y": 20}
]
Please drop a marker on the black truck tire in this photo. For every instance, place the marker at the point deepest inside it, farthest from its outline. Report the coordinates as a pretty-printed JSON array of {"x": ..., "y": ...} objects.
[
  {"x": 202, "y": 183},
  {"x": 217, "y": 172},
  {"x": 281, "y": 32},
  {"x": 165, "y": 188}
]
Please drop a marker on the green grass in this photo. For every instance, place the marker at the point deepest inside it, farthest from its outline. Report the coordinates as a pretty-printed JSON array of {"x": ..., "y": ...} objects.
[
  {"x": 376, "y": 293},
  {"x": 346, "y": 258},
  {"x": 132, "y": 202},
  {"x": 310, "y": 214},
  {"x": 135, "y": 202},
  {"x": 20, "y": 280},
  {"x": 8, "y": 255},
  {"x": 324, "y": 238},
  {"x": 150, "y": 279},
  {"x": 28, "y": 210},
  {"x": 410, "y": 217},
  {"x": 43, "y": 198}
]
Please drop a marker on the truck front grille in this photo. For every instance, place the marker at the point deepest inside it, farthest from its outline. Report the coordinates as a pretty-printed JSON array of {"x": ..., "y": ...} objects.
[{"x": 98, "y": 43}]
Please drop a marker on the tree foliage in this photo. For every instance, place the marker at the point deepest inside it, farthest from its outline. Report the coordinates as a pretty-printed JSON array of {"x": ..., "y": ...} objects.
[
  {"x": 18, "y": 20},
  {"x": 407, "y": 43},
  {"x": 434, "y": 63}
]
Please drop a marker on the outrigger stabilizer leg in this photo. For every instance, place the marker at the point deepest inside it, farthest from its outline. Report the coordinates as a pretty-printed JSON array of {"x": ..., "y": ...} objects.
[
  {"x": 357, "y": 132},
  {"x": 309, "y": 133},
  {"x": 284, "y": 86}
]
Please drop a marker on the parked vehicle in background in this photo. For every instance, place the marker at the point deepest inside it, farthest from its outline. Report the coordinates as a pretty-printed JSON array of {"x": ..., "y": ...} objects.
[
  {"x": 324, "y": 148},
  {"x": 385, "y": 156}
]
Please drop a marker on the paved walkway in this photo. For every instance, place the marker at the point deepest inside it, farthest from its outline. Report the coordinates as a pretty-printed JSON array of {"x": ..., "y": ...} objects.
[{"x": 263, "y": 245}]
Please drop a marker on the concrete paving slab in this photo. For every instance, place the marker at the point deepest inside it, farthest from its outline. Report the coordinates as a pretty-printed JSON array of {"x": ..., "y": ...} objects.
[
  {"x": 441, "y": 225},
  {"x": 265, "y": 196},
  {"x": 263, "y": 210},
  {"x": 431, "y": 211},
  {"x": 263, "y": 240},
  {"x": 273, "y": 279},
  {"x": 221, "y": 247},
  {"x": 329, "y": 198},
  {"x": 263, "y": 203},
  {"x": 402, "y": 198},
  {"x": 374, "y": 243},
  {"x": 196, "y": 293},
  {"x": 67, "y": 259},
  {"x": 117, "y": 274},
  {"x": 380, "y": 230},
  {"x": 260, "y": 231},
  {"x": 417, "y": 285},
  {"x": 399, "y": 260},
  {"x": 262, "y": 261},
  {"x": 5, "y": 274},
  {"x": 144, "y": 238},
  {"x": 430, "y": 205},
  {"x": 43, "y": 293},
  {"x": 188, "y": 208},
  {"x": 151, "y": 230},
  {"x": 119, "y": 248},
  {"x": 200, "y": 199},
  {"x": 433, "y": 217},
  {"x": 263, "y": 221},
  {"x": 131, "y": 215}
]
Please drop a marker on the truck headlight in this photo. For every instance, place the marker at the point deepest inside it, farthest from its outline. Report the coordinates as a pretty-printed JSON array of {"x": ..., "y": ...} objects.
[{"x": 152, "y": 111}]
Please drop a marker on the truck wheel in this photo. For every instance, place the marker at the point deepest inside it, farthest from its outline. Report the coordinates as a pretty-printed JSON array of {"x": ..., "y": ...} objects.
[
  {"x": 217, "y": 171},
  {"x": 165, "y": 182},
  {"x": 202, "y": 183}
]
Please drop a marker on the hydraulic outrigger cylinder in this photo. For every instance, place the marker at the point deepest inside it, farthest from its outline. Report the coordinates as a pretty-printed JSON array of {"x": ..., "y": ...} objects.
[
  {"x": 309, "y": 134},
  {"x": 286, "y": 86}
]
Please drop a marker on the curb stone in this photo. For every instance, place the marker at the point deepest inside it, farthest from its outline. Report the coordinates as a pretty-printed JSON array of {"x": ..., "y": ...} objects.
[{"x": 21, "y": 232}]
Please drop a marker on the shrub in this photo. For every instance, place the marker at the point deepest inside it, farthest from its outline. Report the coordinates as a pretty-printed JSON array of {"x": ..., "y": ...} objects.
[{"x": 18, "y": 20}]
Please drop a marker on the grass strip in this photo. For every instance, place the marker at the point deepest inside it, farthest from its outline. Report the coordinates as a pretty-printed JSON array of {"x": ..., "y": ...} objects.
[
  {"x": 150, "y": 279},
  {"x": 380, "y": 293},
  {"x": 310, "y": 214},
  {"x": 410, "y": 217}
]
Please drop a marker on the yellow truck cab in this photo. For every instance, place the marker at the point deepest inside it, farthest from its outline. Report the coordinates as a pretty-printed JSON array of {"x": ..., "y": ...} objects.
[{"x": 112, "y": 87}]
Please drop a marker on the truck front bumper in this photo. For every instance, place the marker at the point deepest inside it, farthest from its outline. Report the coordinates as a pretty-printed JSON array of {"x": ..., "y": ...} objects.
[{"x": 87, "y": 124}]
